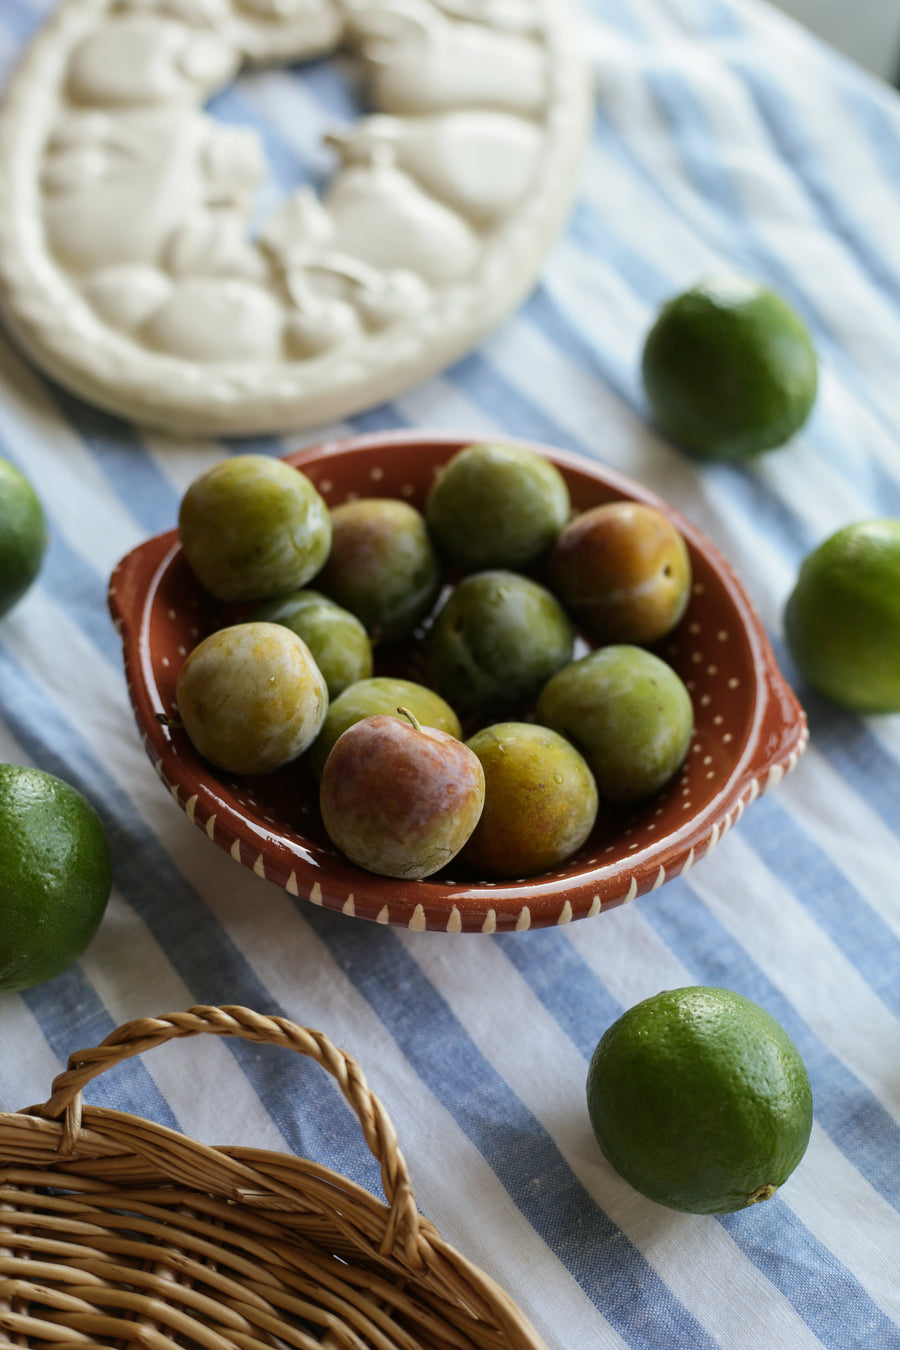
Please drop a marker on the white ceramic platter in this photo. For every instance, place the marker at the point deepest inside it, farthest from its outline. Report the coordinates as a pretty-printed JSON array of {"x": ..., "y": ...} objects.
[{"x": 127, "y": 268}]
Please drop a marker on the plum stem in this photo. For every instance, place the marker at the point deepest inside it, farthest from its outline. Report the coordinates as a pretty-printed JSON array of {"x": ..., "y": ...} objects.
[{"x": 411, "y": 717}]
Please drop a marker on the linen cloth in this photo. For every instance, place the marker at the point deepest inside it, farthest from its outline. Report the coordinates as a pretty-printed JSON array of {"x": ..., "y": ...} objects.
[{"x": 724, "y": 137}]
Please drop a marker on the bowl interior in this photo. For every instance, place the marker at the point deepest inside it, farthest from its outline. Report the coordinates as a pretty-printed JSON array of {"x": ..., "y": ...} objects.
[{"x": 749, "y": 728}]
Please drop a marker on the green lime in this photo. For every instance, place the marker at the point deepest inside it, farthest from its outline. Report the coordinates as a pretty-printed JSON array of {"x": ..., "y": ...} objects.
[
  {"x": 729, "y": 369},
  {"x": 55, "y": 875},
  {"x": 23, "y": 535},
  {"x": 842, "y": 619},
  {"x": 700, "y": 1100}
]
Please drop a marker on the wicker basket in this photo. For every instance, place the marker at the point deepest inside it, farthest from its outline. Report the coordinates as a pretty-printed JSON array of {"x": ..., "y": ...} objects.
[{"x": 115, "y": 1231}]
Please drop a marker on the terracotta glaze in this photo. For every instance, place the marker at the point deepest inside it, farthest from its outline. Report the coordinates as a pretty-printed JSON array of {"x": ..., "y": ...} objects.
[{"x": 749, "y": 727}]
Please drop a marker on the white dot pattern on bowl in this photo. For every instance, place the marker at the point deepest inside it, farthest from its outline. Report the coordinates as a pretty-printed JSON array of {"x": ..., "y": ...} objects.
[
  {"x": 417, "y": 921},
  {"x": 258, "y": 814}
]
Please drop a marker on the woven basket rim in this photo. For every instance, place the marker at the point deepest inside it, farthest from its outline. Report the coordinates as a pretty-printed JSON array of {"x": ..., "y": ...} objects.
[{"x": 117, "y": 1229}]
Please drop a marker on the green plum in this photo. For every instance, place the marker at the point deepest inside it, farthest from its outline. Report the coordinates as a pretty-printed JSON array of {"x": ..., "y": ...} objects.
[
  {"x": 398, "y": 798},
  {"x": 251, "y": 698},
  {"x": 540, "y": 801},
  {"x": 623, "y": 572},
  {"x": 496, "y": 505},
  {"x": 382, "y": 566},
  {"x": 380, "y": 694},
  {"x": 497, "y": 638},
  {"x": 337, "y": 639},
  {"x": 253, "y": 527},
  {"x": 628, "y": 712}
]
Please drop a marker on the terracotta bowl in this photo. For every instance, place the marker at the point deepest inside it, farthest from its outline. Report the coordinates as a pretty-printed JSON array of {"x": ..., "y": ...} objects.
[{"x": 750, "y": 729}]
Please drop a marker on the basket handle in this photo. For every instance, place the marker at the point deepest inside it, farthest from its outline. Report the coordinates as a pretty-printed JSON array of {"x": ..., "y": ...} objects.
[{"x": 133, "y": 1038}]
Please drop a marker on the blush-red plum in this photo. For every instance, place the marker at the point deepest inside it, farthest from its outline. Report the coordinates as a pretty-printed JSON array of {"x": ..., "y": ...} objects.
[
  {"x": 623, "y": 572},
  {"x": 398, "y": 798}
]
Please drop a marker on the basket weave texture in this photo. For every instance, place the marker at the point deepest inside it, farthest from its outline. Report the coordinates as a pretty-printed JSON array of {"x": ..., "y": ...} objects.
[{"x": 116, "y": 1231}]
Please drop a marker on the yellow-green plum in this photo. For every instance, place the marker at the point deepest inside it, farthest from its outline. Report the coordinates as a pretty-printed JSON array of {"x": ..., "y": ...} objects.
[
  {"x": 382, "y": 566},
  {"x": 628, "y": 712},
  {"x": 380, "y": 694},
  {"x": 251, "y": 698},
  {"x": 496, "y": 505},
  {"x": 400, "y": 799},
  {"x": 337, "y": 639},
  {"x": 623, "y": 572},
  {"x": 540, "y": 801},
  {"x": 495, "y": 641},
  {"x": 253, "y": 527}
]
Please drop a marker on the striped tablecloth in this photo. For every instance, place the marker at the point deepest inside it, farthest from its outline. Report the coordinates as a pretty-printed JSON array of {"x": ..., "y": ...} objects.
[{"x": 724, "y": 137}]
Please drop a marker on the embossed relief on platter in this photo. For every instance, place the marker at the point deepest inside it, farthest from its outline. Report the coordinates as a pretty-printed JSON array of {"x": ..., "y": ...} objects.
[{"x": 129, "y": 268}]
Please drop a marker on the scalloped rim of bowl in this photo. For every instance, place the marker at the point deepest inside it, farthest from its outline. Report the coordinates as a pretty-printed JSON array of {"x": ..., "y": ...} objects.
[{"x": 775, "y": 728}]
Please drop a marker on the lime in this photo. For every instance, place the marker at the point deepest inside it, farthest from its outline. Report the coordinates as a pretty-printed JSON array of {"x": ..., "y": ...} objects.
[
  {"x": 55, "y": 875},
  {"x": 23, "y": 535},
  {"x": 729, "y": 369},
  {"x": 700, "y": 1100},
  {"x": 842, "y": 619}
]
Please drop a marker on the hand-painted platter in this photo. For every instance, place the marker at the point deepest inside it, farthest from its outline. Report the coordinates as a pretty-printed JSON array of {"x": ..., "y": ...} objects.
[
  {"x": 749, "y": 727},
  {"x": 128, "y": 267}
]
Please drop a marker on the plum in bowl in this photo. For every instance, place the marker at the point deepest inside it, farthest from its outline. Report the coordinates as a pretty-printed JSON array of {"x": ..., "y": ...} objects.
[{"x": 749, "y": 727}]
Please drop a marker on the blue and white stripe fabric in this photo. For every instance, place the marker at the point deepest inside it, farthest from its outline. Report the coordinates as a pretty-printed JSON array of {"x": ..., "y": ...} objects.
[{"x": 724, "y": 138}]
